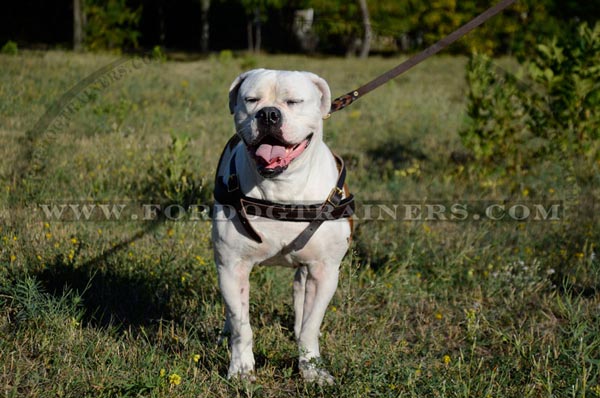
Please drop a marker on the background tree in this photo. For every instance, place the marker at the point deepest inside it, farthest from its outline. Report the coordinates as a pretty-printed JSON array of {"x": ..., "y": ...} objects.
[
  {"x": 78, "y": 25},
  {"x": 338, "y": 25},
  {"x": 366, "y": 22},
  {"x": 205, "y": 24},
  {"x": 111, "y": 24},
  {"x": 257, "y": 14}
]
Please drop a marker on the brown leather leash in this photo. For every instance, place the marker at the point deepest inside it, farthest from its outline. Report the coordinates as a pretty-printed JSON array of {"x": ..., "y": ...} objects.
[{"x": 347, "y": 99}]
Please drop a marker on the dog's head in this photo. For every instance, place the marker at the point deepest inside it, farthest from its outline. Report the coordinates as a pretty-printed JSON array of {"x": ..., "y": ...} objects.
[{"x": 278, "y": 114}]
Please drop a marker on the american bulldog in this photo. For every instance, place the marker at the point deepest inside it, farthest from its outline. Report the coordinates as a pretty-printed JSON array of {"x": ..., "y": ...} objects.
[{"x": 278, "y": 157}]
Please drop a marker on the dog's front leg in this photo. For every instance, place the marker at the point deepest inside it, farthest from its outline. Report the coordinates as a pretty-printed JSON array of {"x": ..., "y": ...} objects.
[
  {"x": 235, "y": 287},
  {"x": 321, "y": 283}
]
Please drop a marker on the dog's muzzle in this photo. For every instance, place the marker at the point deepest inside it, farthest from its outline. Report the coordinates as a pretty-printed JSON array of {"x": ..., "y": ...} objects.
[{"x": 270, "y": 151}]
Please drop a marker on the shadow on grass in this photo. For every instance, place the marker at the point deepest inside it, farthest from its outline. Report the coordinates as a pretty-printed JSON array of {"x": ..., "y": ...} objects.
[
  {"x": 392, "y": 155},
  {"x": 109, "y": 296},
  {"x": 115, "y": 295}
]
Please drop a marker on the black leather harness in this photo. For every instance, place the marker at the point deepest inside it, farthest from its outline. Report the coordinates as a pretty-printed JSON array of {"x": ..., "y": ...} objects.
[{"x": 229, "y": 193}]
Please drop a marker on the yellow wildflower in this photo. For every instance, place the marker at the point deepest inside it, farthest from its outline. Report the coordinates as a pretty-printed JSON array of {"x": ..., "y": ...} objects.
[
  {"x": 174, "y": 379},
  {"x": 426, "y": 228},
  {"x": 446, "y": 359},
  {"x": 196, "y": 358},
  {"x": 200, "y": 260}
]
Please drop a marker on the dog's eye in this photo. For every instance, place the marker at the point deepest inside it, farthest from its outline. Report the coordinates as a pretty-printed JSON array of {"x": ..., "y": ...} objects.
[
  {"x": 294, "y": 101},
  {"x": 251, "y": 100}
]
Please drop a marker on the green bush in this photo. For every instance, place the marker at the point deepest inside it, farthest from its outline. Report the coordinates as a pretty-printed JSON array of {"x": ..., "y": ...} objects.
[
  {"x": 569, "y": 72},
  {"x": 500, "y": 127},
  {"x": 10, "y": 48},
  {"x": 159, "y": 54},
  {"x": 225, "y": 56},
  {"x": 513, "y": 123},
  {"x": 170, "y": 180}
]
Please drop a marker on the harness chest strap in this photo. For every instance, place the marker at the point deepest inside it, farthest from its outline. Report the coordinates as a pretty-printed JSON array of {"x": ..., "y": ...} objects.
[{"x": 334, "y": 207}]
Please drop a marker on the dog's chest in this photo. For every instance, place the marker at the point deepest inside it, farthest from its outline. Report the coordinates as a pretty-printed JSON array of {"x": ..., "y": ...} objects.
[
  {"x": 277, "y": 235},
  {"x": 332, "y": 237}
]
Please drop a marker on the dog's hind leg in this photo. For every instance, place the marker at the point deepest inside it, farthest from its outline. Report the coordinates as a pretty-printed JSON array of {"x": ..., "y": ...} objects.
[
  {"x": 226, "y": 331},
  {"x": 299, "y": 294}
]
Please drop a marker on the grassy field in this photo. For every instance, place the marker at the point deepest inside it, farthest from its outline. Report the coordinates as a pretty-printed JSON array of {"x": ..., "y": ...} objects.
[{"x": 471, "y": 308}]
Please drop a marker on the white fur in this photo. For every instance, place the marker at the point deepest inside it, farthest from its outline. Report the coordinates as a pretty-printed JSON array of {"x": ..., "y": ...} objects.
[{"x": 308, "y": 179}]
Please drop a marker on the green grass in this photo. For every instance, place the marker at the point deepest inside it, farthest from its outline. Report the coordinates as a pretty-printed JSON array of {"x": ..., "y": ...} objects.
[{"x": 423, "y": 309}]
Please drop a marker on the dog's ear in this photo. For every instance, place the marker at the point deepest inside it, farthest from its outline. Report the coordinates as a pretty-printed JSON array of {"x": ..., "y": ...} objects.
[
  {"x": 323, "y": 87},
  {"x": 235, "y": 87}
]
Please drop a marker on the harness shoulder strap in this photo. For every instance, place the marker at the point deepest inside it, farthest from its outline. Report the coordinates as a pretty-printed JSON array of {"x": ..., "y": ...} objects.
[{"x": 229, "y": 193}]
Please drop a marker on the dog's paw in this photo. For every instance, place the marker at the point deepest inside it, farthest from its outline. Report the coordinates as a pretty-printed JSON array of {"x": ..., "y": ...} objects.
[
  {"x": 313, "y": 373},
  {"x": 243, "y": 377},
  {"x": 242, "y": 370}
]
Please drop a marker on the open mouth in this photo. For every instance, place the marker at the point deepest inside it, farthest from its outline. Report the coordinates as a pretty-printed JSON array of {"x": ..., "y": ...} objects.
[{"x": 273, "y": 156}]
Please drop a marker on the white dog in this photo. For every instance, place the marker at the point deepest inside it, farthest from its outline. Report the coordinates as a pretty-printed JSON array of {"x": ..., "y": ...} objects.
[{"x": 278, "y": 156}]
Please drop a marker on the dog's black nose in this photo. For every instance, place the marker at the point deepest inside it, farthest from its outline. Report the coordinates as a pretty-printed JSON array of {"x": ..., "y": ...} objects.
[{"x": 269, "y": 116}]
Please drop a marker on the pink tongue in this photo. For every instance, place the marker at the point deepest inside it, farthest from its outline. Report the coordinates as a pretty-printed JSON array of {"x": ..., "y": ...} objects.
[{"x": 271, "y": 154}]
